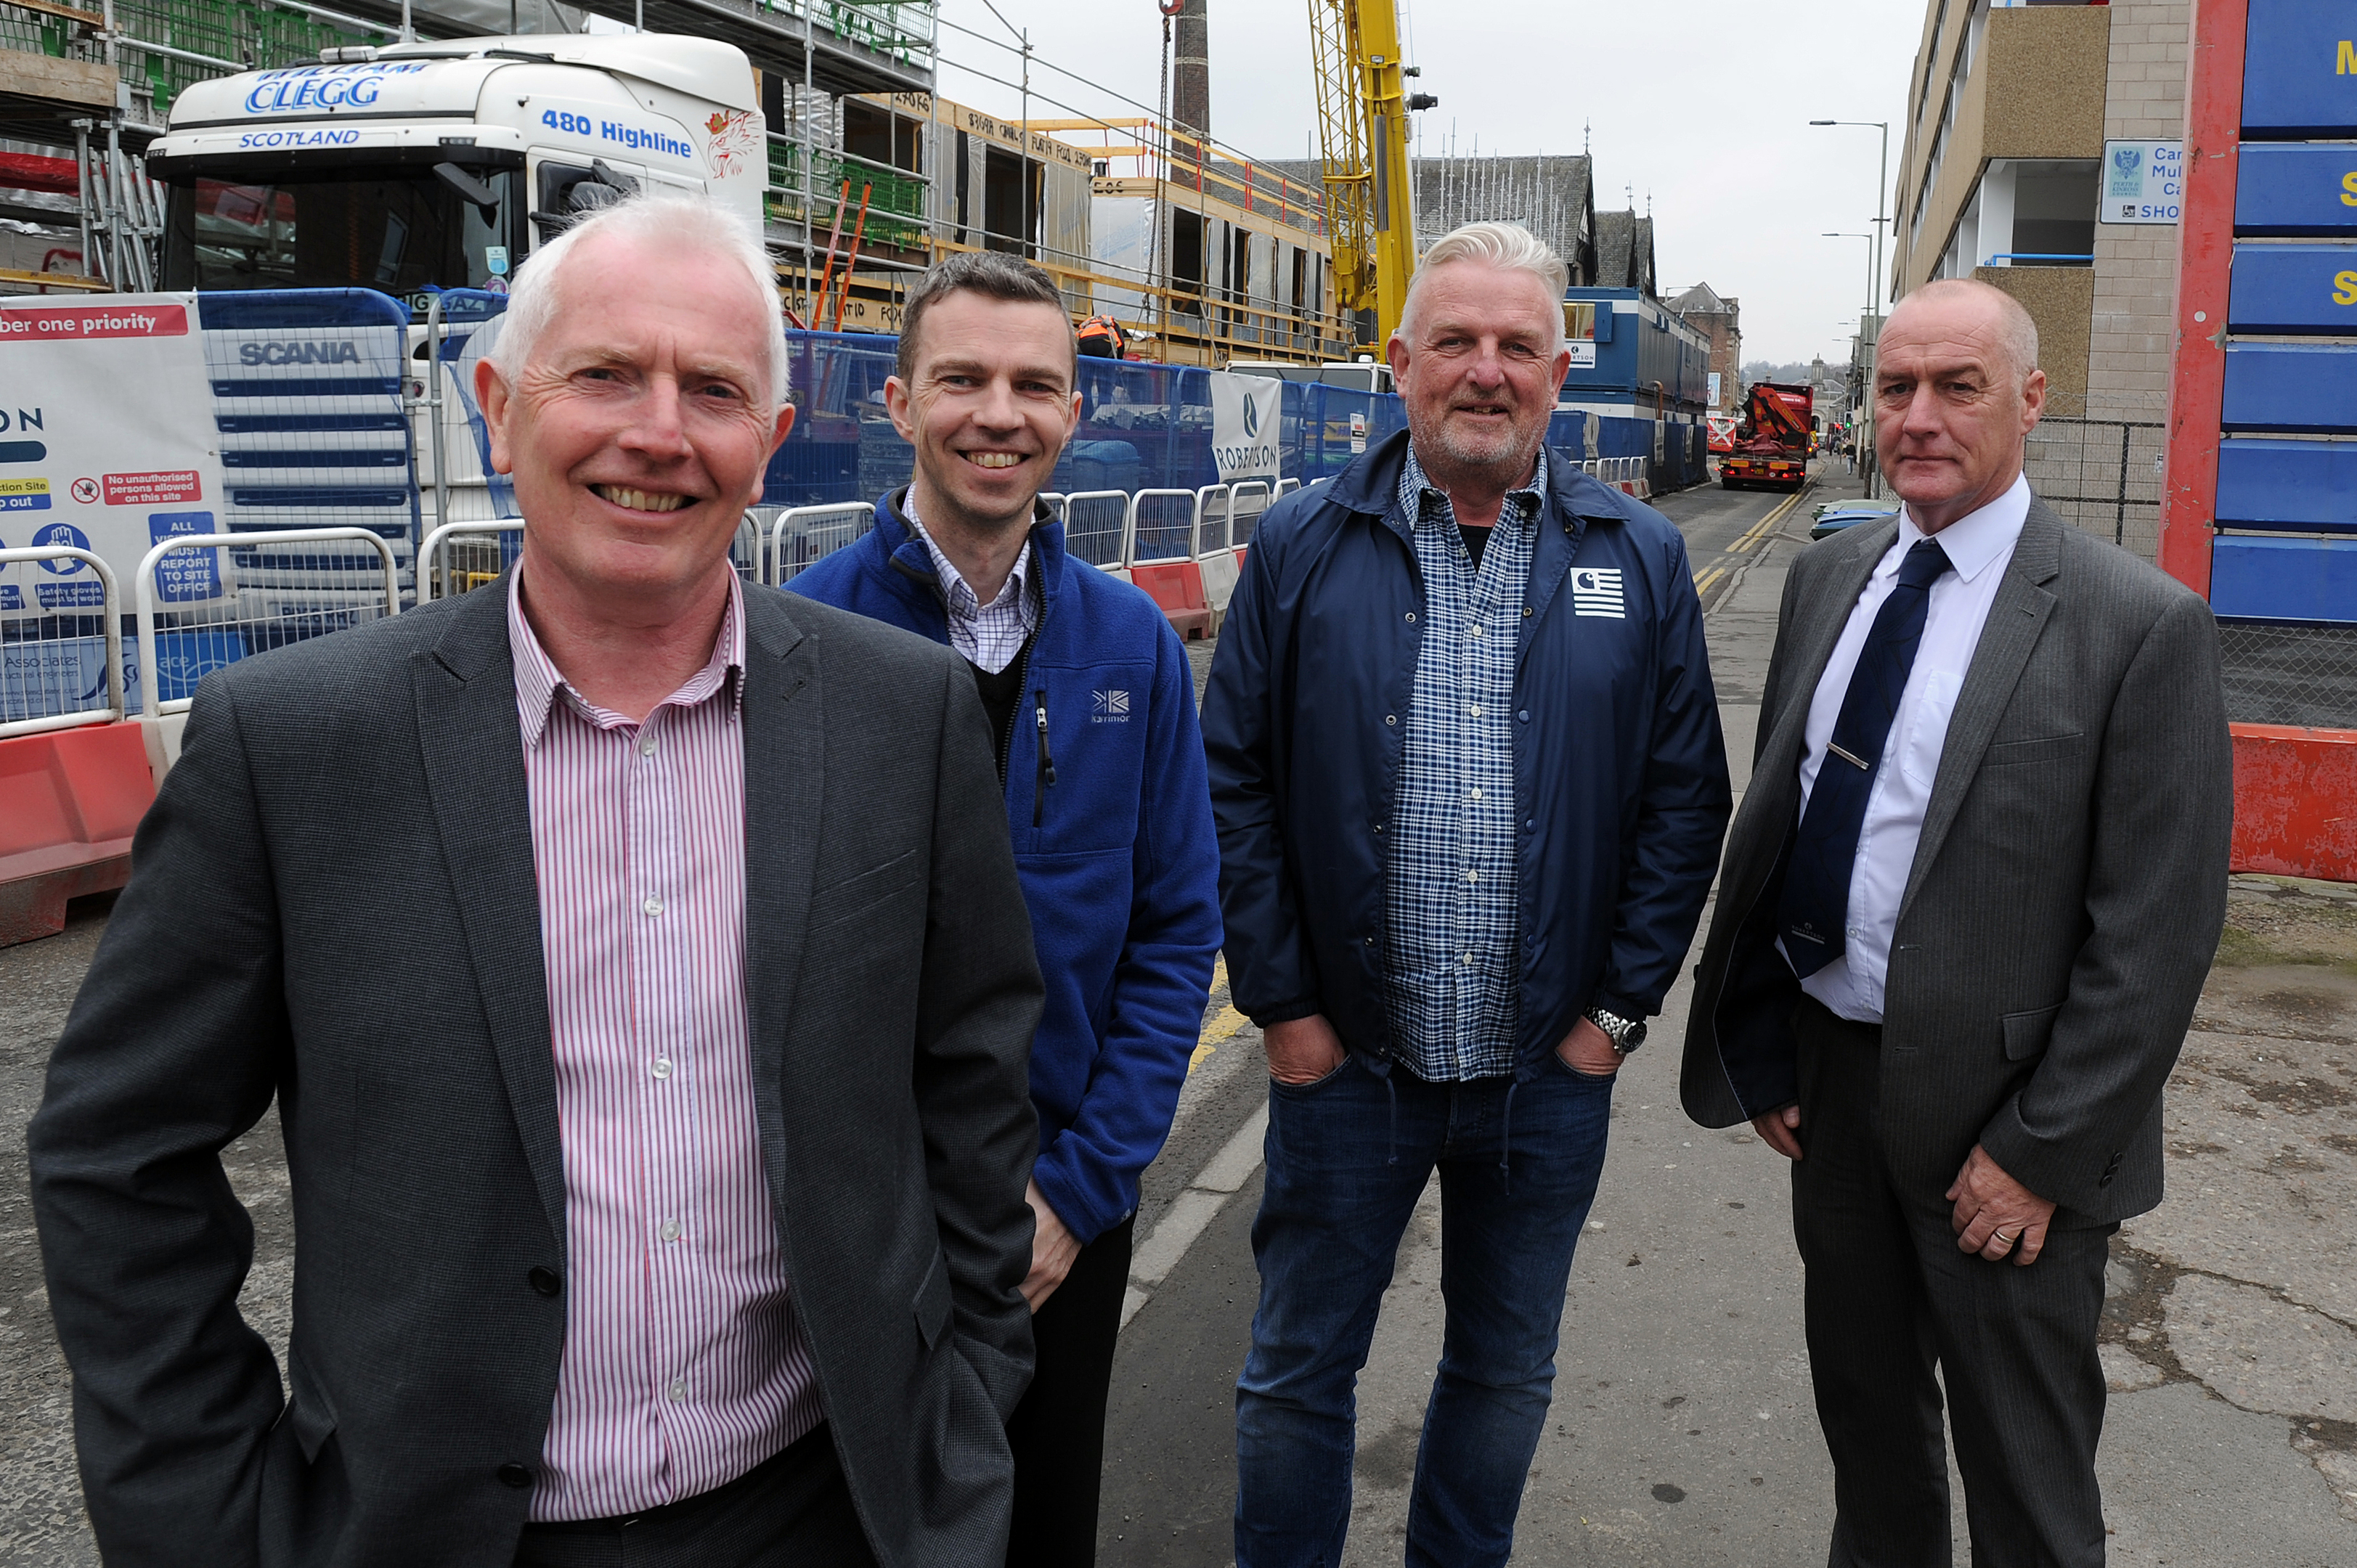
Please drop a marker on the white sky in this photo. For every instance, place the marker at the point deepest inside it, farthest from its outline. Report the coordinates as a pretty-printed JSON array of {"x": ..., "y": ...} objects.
[{"x": 1705, "y": 104}]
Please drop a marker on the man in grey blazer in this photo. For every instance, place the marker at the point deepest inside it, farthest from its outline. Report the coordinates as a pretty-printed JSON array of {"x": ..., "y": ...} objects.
[
  {"x": 1966, "y": 909},
  {"x": 638, "y": 967}
]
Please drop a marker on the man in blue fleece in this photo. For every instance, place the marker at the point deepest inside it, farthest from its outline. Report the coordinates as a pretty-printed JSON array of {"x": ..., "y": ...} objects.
[{"x": 1092, "y": 707}]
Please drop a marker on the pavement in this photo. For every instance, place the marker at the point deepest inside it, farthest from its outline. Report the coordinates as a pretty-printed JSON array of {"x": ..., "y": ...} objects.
[{"x": 1682, "y": 1431}]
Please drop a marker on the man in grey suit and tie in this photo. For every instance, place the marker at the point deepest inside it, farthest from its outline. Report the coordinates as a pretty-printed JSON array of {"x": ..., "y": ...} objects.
[
  {"x": 1965, "y": 912},
  {"x": 638, "y": 964}
]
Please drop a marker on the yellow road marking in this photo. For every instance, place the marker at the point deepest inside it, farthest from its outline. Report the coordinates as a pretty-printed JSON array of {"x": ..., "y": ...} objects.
[
  {"x": 1221, "y": 1024},
  {"x": 1702, "y": 584}
]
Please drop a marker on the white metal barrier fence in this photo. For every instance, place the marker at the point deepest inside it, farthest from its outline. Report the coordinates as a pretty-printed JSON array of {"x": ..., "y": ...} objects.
[
  {"x": 1163, "y": 525},
  {"x": 806, "y": 533},
  {"x": 56, "y": 671},
  {"x": 1096, "y": 528},
  {"x": 1247, "y": 499},
  {"x": 308, "y": 591},
  {"x": 459, "y": 556},
  {"x": 1615, "y": 470}
]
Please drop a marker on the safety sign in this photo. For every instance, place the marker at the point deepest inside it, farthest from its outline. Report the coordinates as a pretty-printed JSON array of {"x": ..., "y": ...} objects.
[{"x": 111, "y": 442}]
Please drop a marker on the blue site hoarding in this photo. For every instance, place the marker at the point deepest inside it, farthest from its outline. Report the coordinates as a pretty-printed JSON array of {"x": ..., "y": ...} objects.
[{"x": 2284, "y": 506}]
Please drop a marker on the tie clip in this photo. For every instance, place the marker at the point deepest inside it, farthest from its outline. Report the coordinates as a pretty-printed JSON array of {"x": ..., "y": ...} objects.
[{"x": 1858, "y": 763}]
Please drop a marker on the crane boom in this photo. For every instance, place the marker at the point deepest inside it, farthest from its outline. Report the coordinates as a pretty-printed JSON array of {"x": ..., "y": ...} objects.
[{"x": 1362, "y": 128}]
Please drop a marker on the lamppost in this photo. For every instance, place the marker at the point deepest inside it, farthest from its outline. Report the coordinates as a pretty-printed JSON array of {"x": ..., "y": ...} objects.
[
  {"x": 1880, "y": 277},
  {"x": 1864, "y": 347}
]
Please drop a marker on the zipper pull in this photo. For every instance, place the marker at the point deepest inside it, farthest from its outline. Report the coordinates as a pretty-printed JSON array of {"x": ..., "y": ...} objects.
[{"x": 1047, "y": 771}]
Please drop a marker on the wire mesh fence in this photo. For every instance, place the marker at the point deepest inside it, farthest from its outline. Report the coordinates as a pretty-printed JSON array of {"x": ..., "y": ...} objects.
[
  {"x": 2102, "y": 475},
  {"x": 1162, "y": 524},
  {"x": 1213, "y": 503},
  {"x": 1247, "y": 499},
  {"x": 2282, "y": 673},
  {"x": 461, "y": 557},
  {"x": 60, "y": 642},
  {"x": 206, "y": 601},
  {"x": 800, "y": 535},
  {"x": 1096, "y": 527}
]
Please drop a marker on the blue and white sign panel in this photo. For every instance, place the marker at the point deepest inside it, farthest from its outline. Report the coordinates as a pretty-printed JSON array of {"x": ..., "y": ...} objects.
[
  {"x": 2144, "y": 182},
  {"x": 2299, "y": 69},
  {"x": 2286, "y": 500}
]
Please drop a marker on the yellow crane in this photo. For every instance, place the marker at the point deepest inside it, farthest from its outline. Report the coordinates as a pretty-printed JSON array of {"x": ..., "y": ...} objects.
[{"x": 1363, "y": 132}]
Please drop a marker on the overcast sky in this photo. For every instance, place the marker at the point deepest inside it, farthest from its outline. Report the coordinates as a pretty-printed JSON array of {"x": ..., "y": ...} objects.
[{"x": 1701, "y": 105}]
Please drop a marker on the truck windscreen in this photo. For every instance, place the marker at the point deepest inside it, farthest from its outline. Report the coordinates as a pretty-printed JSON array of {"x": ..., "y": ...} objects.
[{"x": 395, "y": 229}]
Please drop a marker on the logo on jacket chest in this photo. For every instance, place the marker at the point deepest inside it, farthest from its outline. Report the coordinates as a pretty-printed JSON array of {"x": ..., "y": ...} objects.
[
  {"x": 1108, "y": 707},
  {"x": 1596, "y": 591}
]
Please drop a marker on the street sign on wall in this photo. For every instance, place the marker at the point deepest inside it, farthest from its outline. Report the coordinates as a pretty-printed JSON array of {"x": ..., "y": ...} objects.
[{"x": 2144, "y": 182}]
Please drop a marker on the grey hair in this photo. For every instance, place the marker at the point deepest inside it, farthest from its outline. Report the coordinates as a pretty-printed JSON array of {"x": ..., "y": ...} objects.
[
  {"x": 1508, "y": 247},
  {"x": 2017, "y": 328},
  {"x": 683, "y": 223}
]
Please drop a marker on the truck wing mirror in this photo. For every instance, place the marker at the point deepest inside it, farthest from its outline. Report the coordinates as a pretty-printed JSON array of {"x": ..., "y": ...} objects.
[{"x": 470, "y": 189}]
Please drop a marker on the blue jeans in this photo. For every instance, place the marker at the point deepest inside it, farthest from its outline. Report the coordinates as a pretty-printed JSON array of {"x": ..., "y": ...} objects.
[{"x": 1348, "y": 1157}]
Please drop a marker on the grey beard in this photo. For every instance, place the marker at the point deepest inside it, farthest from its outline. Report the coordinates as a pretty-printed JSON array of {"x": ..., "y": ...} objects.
[{"x": 1511, "y": 449}]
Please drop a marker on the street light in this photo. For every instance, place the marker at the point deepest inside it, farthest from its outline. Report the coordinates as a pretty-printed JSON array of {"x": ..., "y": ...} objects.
[{"x": 1880, "y": 282}]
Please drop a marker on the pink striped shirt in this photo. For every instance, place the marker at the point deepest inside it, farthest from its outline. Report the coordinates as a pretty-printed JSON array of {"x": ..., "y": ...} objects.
[{"x": 684, "y": 1365}]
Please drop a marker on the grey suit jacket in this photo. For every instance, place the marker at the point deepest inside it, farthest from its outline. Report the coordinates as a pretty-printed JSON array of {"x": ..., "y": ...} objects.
[
  {"x": 334, "y": 903},
  {"x": 2065, "y": 898}
]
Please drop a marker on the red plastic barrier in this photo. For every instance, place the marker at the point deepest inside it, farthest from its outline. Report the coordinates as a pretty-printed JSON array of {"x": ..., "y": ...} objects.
[
  {"x": 70, "y": 800},
  {"x": 2295, "y": 802},
  {"x": 1177, "y": 587}
]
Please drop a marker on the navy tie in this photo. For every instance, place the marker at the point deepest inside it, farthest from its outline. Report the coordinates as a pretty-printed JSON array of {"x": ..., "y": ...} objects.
[{"x": 1813, "y": 915}]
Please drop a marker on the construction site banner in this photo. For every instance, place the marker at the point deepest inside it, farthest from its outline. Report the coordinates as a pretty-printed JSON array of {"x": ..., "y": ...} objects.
[
  {"x": 107, "y": 442},
  {"x": 1245, "y": 421}
]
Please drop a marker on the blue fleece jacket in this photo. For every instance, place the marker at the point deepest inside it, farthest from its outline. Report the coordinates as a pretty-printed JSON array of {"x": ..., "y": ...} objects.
[{"x": 1113, "y": 839}]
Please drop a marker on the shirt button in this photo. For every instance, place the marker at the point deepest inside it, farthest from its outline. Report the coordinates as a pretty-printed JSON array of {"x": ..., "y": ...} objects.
[
  {"x": 1477, "y": 629},
  {"x": 668, "y": 1231},
  {"x": 1472, "y": 876},
  {"x": 1475, "y": 709},
  {"x": 1476, "y": 791},
  {"x": 646, "y": 746},
  {"x": 678, "y": 1390},
  {"x": 652, "y": 905},
  {"x": 662, "y": 1067},
  {"x": 1469, "y": 958}
]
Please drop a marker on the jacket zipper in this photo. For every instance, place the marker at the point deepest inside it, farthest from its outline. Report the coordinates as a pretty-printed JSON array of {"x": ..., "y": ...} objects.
[
  {"x": 1006, "y": 736},
  {"x": 1046, "y": 775}
]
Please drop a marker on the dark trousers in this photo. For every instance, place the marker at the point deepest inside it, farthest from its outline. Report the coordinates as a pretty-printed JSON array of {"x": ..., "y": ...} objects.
[
  {"x": 1057, "y": 1430},
  {"x": 1890, "y": 1297},
  {"x": 792, "y": 1510}
]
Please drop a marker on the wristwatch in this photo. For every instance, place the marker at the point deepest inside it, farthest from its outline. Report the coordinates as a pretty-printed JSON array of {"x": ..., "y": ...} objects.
[{"x": 1626, "y": 1033}]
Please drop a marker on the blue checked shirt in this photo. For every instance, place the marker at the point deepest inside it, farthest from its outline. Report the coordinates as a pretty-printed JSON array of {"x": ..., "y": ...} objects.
[{"x": 1452, "y": 960}]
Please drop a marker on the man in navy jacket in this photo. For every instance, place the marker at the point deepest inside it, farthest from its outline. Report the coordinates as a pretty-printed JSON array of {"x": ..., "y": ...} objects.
[
  {"x": 1466, "y": 764},
  {"x": 1092, "y": 707}
]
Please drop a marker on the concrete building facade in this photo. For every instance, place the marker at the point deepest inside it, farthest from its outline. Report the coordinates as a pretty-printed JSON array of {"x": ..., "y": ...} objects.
[
  {"x": 2010, "y": 106},
  {"x": 1720, "y": 318}
]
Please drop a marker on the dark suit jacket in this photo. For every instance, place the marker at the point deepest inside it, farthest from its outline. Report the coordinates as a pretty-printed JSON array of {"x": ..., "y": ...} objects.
[
  {"x": 334, "y": 903},
  {"x": 2066, "y": 895}
]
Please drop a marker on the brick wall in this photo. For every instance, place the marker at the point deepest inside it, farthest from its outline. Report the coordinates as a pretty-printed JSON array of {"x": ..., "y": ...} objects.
[{"x": 2131, "y": 336}]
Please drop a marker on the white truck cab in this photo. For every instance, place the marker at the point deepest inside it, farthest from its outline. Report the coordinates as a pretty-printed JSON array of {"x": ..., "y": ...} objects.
[{"x": 443, "y": 164}]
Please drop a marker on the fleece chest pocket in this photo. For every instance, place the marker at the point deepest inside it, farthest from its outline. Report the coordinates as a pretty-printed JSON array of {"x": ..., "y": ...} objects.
[{"x": 1085, "y": 763}]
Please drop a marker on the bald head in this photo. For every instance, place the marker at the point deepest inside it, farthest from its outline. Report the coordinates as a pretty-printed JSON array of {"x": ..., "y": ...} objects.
[
  {"x": 1969, "y": 299},
  {"x": 1956, "y": 392}
]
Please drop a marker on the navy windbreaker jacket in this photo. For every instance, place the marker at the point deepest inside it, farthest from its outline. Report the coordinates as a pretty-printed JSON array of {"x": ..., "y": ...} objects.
[
  {"x": 1113, "y": 842},
  {"x": 1620, "y": 773}
]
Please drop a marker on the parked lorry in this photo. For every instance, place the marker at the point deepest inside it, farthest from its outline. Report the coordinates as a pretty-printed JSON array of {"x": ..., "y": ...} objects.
[{"x": 1771, "y": 446}]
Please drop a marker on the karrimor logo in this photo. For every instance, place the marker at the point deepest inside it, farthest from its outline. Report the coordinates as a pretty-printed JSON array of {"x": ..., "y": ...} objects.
[{"x": 1108, "y": 707}]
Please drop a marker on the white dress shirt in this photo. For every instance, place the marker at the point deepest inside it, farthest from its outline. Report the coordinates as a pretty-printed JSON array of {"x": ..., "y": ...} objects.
[
  {"x": 990, "y": 635},
  {"x": 1978, "y": 545}
]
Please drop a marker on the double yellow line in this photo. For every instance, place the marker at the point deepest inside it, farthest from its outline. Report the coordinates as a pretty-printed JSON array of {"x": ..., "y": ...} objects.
[{"x": 1706, "y": 580}]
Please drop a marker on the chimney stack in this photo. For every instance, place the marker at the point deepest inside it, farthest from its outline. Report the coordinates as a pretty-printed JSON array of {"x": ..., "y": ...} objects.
[{"x": 1190, "y": 70}]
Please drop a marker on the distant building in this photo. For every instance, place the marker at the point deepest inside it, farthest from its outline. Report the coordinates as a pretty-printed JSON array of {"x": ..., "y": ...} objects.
[
  {"x": 1553, "y": 196},
  {"x": 2009, "y": 108},
  {"x": 1719, "y": 319},
  {"x": 1624, "y": 253}
]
